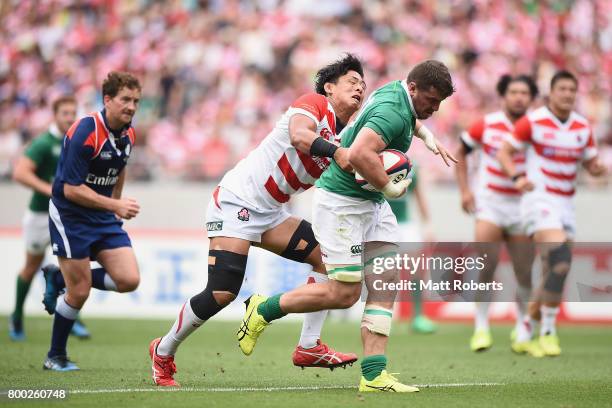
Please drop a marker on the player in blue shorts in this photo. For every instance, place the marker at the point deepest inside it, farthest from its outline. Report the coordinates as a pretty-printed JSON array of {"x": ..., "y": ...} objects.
[{"x": 86, "y": 209}]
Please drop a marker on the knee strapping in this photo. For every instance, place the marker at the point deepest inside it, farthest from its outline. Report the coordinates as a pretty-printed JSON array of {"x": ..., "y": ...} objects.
[
  {"x": 559, "y": 261},
  {"x": 301, "y": 244},
  {"x": 377, "y": 319},
  {"x": 225, "y": 274}
]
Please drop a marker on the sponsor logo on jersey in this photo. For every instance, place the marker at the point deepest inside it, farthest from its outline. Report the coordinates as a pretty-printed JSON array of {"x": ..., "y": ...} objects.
[
  {"x": 214, "y": 226},
  {"x": 356, "y": 249},
  {"x": 109, "y": 180},
  {"x": 243, "y": 214},
  {"x": 55, "y": 247},
  {"x": 106, "y": 155}
]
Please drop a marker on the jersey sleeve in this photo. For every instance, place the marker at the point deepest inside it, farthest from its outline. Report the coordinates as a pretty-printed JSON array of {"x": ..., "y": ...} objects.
[
  {"x": 521, "y": 136},
  {"x": 473, "y": 136},
  {"x": 37, "y": 151},
  {"x": 387, "y": 123},
  {"x": 79, "y": 147},
  {"x": 590, "y": 150},
  {"x": 312, "y": 105}
]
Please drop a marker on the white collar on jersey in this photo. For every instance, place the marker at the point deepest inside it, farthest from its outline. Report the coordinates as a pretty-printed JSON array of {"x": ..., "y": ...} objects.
[
  {"x": 54, "y": 130},
  {"x": 557, "y": 121},
  {"x": 405, "y": 86}
]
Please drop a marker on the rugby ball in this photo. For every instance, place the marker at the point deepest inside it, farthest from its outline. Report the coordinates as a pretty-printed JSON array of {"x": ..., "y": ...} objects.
[{"x": 396, "y": 164}]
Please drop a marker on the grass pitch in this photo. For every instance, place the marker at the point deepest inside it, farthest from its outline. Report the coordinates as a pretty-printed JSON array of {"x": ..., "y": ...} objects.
[{"x": 115, "y": 369}]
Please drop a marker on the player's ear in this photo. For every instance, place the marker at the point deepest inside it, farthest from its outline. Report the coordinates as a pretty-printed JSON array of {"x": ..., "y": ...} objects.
[
  {"x": 329, "y": 88},
  {"x": 106, "y": 99},
  {"x": 412, "y": 87}
]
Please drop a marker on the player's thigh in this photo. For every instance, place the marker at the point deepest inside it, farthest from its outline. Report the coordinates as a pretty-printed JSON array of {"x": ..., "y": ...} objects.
[
  {"x": 293, "y": 239},
  {"x": 487, "y": 231},
  {"x": 230, "y": 244},
  {"x": 522, "y": 253},
  {"x": 121, "y": 265}
]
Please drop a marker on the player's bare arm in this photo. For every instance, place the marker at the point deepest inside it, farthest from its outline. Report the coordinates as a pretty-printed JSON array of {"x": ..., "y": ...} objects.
[
  {"x": 363, "y": 157},
  {"x": 468, "y": 202},
  {"x": 504, "y": 155},
  {"x": 25, "y": 173},
  {"x": 302, "y": 133},
  {"x": 126, "y": 208}
]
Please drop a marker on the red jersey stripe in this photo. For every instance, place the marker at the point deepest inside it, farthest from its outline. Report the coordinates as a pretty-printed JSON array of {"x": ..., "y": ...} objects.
[
  {"x": 290, "y": 175},
  {"x": 497, "y": 172},
  {"x": 559, "y": 154},
  {"x": 499, "y": 126},
  {"x": 560, "y": 192},
  {"x": 216, "y": 196},
  {"x": 503, "y": 190},
  {"x": 275, "y": 192},
  {"x": 558, "y": 176},
  {"x": 309, "y": 164}
]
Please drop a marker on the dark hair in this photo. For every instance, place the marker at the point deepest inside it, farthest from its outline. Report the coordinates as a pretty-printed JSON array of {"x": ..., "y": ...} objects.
[
  {"x": 332, "y": 72},
  {"x": 116, "y": 80},
  {"x": 505, "y": 81},
  {"x": 563, "y": 74},
  {"x": 63, "y": 100},
  {"x": 432, "y": 73}
]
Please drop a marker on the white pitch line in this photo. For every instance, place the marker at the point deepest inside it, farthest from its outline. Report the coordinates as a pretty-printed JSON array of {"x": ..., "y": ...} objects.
[{"x": 265, "y": 389}]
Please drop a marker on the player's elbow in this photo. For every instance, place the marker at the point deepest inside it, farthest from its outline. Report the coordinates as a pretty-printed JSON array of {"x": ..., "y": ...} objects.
[{"x": 70, "y": 192}]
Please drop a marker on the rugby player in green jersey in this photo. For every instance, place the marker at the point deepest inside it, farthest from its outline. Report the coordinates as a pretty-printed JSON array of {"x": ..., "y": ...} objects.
[{"x": 345, "y": 216}]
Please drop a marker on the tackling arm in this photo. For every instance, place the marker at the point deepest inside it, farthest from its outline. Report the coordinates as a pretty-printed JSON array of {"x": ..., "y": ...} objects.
[
  {"x": 467, "y": 197},
  {"x": 303, "y": 136}
]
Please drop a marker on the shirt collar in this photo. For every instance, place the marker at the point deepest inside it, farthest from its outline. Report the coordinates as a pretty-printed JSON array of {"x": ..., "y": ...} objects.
[
  {"x": 405, "y": 87},
  {"x": 115, "y": 132},
  {"x": 54, "y": 130}
]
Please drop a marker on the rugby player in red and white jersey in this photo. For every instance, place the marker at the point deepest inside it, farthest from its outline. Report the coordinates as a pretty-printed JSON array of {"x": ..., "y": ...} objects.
[
  {"x": 557, "y": 140},
  {"x": 496, "y": 203},
  {"x": 247, "y": 209}
]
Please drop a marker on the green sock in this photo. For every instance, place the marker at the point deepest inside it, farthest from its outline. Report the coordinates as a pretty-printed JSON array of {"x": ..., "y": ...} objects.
[
  {"x": 21, "y": 292},
  {"x": 372, "y": 366},
  {"x": 270, "y": 309}
]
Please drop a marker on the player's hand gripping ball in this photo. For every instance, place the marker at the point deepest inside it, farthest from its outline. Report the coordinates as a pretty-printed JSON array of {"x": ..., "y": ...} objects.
[{"x": 396, "y": 164}]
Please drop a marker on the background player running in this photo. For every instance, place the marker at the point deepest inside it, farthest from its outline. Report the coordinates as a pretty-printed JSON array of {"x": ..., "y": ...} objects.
[
  {"x": 86, "y": 208},
  {"x": 496, "y": 203},
  {"x": 35, "y": 169},
  {"x": 556, "y": 139},
  {"x": 345, "y": 215}
]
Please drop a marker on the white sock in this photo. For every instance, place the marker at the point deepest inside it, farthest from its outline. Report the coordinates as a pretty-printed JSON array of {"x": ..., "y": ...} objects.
[
  {"x": 482, "y": 316},
  {"x": 64, "y": 309},
  {"x": 525, "y": 329},
  {"x": 523, "y": 295},
  {"x": 549, "y": 317},
  {"x": 313, "y": 321},
  {"x": 186, "y": 323}
]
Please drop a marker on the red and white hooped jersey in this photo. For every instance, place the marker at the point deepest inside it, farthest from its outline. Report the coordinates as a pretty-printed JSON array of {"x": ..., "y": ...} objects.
[
  {"x": 554, "y": 150},
  {"x": 275, "y": 170},
  {"x": 488, "y": 134}
]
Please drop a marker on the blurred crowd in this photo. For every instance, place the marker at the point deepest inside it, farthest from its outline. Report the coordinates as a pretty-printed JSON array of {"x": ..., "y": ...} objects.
[{"x": 216, "y": 75}]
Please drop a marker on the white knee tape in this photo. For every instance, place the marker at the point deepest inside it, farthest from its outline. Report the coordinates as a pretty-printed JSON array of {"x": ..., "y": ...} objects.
[{"x": 377, "y": 319}]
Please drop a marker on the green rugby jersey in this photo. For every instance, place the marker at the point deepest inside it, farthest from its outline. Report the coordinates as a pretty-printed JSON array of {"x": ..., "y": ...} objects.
[
  {"x": 388, "y": 112},
  {"x": 44, "y": 151}
]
